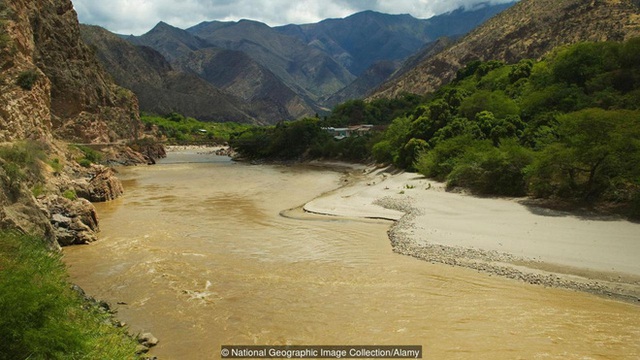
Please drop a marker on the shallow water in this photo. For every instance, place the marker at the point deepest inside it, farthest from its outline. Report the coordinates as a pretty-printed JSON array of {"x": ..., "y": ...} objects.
[{"x": 197, "y": 253}]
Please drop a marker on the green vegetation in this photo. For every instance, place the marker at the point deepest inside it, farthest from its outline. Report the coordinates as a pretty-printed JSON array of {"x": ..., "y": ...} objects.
[
  {"x": 56, "y": 165},
  {"x": 27, "y": 79},
  {"x": 566, "y": 127},
  {"x": 89, "y": 156},
  {"x": 302, "y": 138},
  {"x": 70, "y": 194},
  {"x": 185, "y": 130},
  {"x": 42, "y": 317},
  {"x": 21, "y": 163},
  {"x": 377, "y": 112}
]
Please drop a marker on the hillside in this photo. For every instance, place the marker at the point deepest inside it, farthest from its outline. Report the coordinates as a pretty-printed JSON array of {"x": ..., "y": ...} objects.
[
  {"x": 158, "y": 86},
  {"x": 360, "y": 40},
  {"x": 53, "y": 90},
  {"x": 375, "y": 75},
  {"x": 311, "y": 72},
  {"x": 234, "y": 79},
  {"x": 293, "y": 71},
  {"x": 529, "y": 29}
]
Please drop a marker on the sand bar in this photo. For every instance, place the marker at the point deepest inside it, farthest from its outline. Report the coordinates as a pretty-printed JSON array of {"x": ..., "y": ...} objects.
[{"x": 501, "y": 230}]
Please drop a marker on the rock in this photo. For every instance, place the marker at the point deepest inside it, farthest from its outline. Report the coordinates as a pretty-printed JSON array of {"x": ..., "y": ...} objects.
[
  {"x": 123, "y": 155},
  {"x": 74, "y": 222},
  {"x": 61, "y": 220},
  {"x": 147, "y": 339},
  {"x": 99, "y": 185},
  {"x": 141, "y": 349},
  {"x": 20, "y": 210}
]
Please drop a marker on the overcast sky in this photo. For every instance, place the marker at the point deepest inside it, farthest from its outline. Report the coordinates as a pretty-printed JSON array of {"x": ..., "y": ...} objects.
[{"x": 139, "y": 16}]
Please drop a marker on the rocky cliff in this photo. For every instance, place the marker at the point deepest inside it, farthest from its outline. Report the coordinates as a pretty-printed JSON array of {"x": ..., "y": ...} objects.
[
  {"x": 53, "y": 88},
  {"x": 64, "y": 92},
  {"x": 529, "y": 29}
]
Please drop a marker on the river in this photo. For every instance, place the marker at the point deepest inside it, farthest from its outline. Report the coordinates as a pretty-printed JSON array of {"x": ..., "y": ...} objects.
[{"x": 198, "y": 254}]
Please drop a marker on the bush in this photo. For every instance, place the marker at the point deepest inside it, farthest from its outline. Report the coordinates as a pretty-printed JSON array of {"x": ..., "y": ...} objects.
[
  {"x": 90, "y": 154},
  {"x": 488, "y": 170},
  {"x": 42, "y": 317},
  {"x": 70, "y": 194},
  {"x": 27, "y": 79},
  {"x": 84, "y": 163},
  {"x": 441, "y": 160}
]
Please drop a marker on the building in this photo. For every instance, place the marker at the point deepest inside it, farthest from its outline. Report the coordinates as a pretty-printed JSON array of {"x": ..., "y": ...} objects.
[{"x": 354, "y": 130}]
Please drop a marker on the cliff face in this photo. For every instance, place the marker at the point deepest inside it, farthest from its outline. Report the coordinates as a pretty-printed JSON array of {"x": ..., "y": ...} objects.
[
  {"x": 53, "y": 88},
  {"x": 71, "y": 96},
  {"x": 24, "y": 114},
  {"x": 529, "y": 29}
]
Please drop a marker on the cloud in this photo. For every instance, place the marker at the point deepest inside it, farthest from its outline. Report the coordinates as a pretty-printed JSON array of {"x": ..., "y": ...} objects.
[{"x": 139, "y": 16}]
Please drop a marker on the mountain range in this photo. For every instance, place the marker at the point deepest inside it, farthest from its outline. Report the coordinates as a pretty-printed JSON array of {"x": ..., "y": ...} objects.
[{"x": 246, "y": 71}]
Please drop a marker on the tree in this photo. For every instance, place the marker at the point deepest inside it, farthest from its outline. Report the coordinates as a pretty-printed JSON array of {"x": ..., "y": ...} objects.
[
  {"x": 494, "y": 101},
  {"x": 596, "y": 150}
]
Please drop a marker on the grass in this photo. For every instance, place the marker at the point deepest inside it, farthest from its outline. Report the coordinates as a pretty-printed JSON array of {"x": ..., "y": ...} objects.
[
  {"x": 42, "y": 317},
  {"x": 21, "y": 163}
]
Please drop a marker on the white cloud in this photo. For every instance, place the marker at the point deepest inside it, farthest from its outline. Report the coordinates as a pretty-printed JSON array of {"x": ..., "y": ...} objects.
[{"x": 139, "y": 16}]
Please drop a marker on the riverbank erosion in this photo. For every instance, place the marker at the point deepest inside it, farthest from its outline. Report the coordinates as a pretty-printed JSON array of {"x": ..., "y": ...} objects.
[{"x": 502, "y": 236}]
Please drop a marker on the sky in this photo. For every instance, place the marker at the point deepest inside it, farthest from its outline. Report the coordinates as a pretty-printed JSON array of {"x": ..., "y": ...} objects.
[{"x": 139, "y": 16}]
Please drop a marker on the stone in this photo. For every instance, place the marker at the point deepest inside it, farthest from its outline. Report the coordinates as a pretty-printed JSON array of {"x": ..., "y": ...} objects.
[
  {"x": 73, "y": 221},
  {"x": 141, "y": 349},
  {"x": 148, "y": 339}
]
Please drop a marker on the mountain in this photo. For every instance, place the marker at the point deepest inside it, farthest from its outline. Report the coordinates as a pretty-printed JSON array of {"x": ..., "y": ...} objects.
[
  {"x": 375, "y": 75},
  {"x": 170, "y": 41},
  {"x": 529, "y": 29},
  {"x": 261, "y": 74},
  {"x": 225, "y": 85},
  {"x": 360, "y": 40},
  {"x": 309, "y": 71},
  {"x": 53, "y": 89},
  {"x": 159, "y": 87},
  {"x": 239, "y": 75}
]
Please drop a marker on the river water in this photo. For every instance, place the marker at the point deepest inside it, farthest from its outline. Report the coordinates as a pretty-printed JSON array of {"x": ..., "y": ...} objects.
[{"x": 198, "y": 254}]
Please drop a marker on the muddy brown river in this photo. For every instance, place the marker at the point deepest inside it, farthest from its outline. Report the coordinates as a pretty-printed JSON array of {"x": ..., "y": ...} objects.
[{"x": 198, "y": 254}]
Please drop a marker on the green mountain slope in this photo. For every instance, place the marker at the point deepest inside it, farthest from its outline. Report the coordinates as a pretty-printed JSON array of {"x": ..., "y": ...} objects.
[{"x": 529, "y": 29}]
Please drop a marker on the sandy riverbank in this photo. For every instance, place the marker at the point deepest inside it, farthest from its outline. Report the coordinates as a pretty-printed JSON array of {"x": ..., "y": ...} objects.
[{"x": 495, "y": 235}]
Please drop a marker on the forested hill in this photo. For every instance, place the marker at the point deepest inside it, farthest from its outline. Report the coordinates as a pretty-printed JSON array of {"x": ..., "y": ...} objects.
[{"x": 567, "y": 127}]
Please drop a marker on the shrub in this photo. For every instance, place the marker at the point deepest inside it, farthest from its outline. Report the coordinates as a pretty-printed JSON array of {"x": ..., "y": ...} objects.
[
  {"x": 488, "y": 170},
  {"x": 21, "y": 162},
  {"x": 70, "y": 194},
  {"x": 27, "y": 79},
  {"x": 37, "y": 190},
  {"x": 441, "y": 160}
]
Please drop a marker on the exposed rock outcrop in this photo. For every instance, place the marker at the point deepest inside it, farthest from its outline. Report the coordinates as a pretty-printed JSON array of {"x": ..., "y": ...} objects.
[
  {"x": 68, "y": 93},
  {"x": 53, "y": 88},
  {"x": 100, "y": 185},
  {"x": 19, "y": 210},
  {"x": 73, "y": 221}
]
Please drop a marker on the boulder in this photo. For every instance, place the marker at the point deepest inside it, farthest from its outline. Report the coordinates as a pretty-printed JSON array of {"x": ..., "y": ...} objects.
[
  {"x": 99, "y": 185},
  {"x": 73, "y": 221}
]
